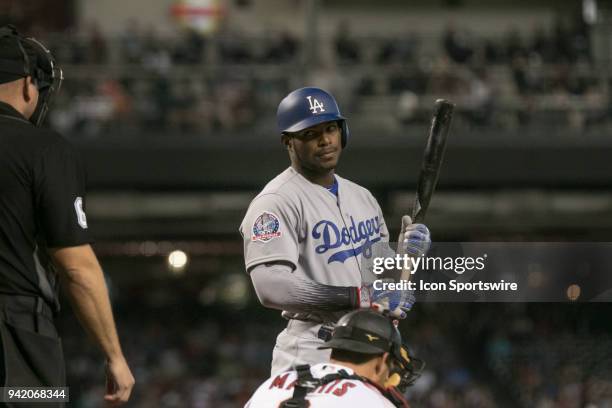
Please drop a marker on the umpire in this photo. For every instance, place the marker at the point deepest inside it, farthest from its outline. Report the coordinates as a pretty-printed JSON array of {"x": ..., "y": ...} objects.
[{"x": 44, "y": 239}]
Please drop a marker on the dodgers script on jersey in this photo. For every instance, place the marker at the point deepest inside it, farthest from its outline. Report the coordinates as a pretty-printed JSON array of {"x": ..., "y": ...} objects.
[
  {"x": 338, "y": 393},
  {"x": 324, "y": 236}
]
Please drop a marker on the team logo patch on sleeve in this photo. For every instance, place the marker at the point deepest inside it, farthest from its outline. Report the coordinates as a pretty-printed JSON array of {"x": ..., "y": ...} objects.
[
  {"x": 266, "y": 227},
  {"x": 81, "y": 217}
]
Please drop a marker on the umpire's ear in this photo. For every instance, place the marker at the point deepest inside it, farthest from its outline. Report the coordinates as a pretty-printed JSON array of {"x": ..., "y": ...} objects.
[{"x": 28, "y": 89}]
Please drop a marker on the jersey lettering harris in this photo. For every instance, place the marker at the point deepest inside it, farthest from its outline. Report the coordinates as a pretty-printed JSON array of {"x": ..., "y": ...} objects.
[
  {"x": 337, "y": 393},
  {"x": 338, "y": 387}
]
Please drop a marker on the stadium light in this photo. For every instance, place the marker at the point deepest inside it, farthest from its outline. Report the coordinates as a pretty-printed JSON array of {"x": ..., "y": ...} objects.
[{"x": 177, "y": 261}]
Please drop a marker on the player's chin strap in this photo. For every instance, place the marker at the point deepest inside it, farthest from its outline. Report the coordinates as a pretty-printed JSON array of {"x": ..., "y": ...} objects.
[{"x": 306, "y": 383}]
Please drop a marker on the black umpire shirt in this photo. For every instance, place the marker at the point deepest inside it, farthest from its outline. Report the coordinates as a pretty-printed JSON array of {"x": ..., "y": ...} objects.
[{"x": 42, "y": 193}]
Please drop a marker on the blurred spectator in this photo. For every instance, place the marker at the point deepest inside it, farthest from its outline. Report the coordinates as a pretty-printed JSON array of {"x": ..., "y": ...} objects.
[
  {"x": 347, "y": 48},
  {"x": 120, "y": 101},
  {"x": 183, "y": 116},
  {"x": 156, "y": 54},
  {"x": 408, "y": 107},
  {"x": 398, "y": 50},
  {"x": 97, "y": 46},
  {"x": 491, "y": 52},
  {"x": 457, "y": 45},
  {"x": 235, "y": 105},
  {"x": 444, "y": 78},
  {"x": 513, "y": 47},
  {"x": 478, "y": 103},
  {"x": 280, "y": 48},
  {"x": 541, "y": 44},
  {"x": 190, "y": 48},
  {"x": 234, "y": 48},
  {"x": 131, "y": 44},
  {"x": 562, "y": 43},
  {"x": 407, "y": 78}
]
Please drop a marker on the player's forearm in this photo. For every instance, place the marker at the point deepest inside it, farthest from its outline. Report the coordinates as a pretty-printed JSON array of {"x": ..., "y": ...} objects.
[
  {"x": 278, "y": 287},
  {"x": 89, "y": 297}
]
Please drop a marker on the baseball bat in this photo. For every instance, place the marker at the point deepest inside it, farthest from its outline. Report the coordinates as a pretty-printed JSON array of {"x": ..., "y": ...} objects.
[
  {"x": 432, "y": 158},
  {"x": 430, "y": 168}
]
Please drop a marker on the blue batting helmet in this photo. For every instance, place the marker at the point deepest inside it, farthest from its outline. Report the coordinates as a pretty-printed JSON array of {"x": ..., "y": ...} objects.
[{"x": 306, "y": 107}]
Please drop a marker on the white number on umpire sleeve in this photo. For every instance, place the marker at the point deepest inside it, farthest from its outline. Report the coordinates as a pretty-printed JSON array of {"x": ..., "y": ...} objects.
[{"x": 81, "y": 217}]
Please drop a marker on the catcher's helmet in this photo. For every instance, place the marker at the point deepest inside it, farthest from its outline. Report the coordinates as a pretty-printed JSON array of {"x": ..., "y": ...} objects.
[
  {"x": 306, "y": 107},
  {"x": 369, "y": 332},
  {"x": 365, "y": 331}
]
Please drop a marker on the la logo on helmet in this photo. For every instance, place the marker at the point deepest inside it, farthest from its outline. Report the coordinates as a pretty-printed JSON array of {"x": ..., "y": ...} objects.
[{"x": 315, "y": 104}]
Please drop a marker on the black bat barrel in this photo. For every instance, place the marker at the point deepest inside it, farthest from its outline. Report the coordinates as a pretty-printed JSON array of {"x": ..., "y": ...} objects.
[{"x": 432, "y": 158}]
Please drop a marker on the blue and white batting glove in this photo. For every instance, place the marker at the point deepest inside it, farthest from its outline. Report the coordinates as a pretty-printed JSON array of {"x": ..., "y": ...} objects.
[
  {"x": 393, "y": 303},
  {"x": 416, "y": 239}
]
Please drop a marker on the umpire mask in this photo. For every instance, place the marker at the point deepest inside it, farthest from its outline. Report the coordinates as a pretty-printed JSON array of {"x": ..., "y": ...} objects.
[{"x": 37, "y": 62}]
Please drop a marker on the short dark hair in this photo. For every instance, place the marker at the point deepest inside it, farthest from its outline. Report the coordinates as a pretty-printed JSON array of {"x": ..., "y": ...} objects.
[{"x": 353, "y": 357}]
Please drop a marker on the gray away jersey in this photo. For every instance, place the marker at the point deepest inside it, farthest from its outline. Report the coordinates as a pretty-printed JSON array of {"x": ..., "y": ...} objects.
[{"x": 324, "y": 236}]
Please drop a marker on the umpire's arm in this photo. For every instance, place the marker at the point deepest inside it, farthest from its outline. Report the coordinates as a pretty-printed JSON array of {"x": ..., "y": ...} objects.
[{"x": 83, "y": 280}]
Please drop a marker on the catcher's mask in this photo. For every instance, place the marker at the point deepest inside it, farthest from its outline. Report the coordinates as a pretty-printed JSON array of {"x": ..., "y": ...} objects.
[
  {"x": 36, "y": 62},
  {"x": 405, "y": 370}
]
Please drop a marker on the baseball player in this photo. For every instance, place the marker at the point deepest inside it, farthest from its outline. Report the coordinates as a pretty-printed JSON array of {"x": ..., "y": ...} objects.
[
  {"x": 306, "y": 232},
  {"x": 369, "y": 367}
]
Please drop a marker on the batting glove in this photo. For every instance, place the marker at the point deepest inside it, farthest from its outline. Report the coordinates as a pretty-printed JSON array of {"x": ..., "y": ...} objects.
[
  {"x": 416, "y": 239},
  {"x": 393, "y": 303}
]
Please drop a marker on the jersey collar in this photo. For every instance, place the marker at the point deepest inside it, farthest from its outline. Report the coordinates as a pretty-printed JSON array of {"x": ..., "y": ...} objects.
[
  {"x": 329, "y": 368},
  {"x": 334, "y": 187},
  {"x": 332, "y": 368},
  {"x": 337, "y": 179},
  {"x": 295, "y": 172},
  {"x": 7, "y": 110}
]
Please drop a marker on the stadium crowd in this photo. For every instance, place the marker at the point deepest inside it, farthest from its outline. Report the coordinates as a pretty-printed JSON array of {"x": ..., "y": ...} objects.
[
  {"x": 186, "y": 353},
  {"x": 188, "y": 83},
  {"x": 555, "y": 356}
]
